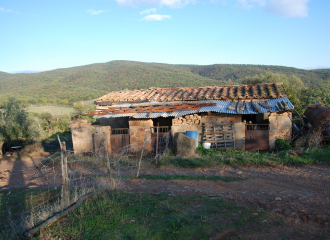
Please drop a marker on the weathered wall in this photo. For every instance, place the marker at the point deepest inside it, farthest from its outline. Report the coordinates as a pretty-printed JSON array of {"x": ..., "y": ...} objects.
[
  {"x": 225, "y": 118},
  {"x": 280, "y": 126},
  {"x": 82, "y": 135},
  {"x": 187, "y": 123},
  {"x": 137, "y": 132}
]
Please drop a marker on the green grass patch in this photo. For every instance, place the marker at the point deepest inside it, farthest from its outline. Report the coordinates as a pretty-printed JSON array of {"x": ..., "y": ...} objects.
[
  {"x": 186, "y": 177},
  {"x": 54, "y": 110},
  {"x": 121, "y": 215},
  {"x": 244, "y": 158}
]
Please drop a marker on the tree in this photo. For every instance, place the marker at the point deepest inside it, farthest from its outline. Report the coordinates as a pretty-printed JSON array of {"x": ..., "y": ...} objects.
[
  {"x": 293, "y": 86},
  {"x": 15, "y": 124}
]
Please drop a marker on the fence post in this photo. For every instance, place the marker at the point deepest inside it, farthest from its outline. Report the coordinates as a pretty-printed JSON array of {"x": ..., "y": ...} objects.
[
  {"x": 157, "y": 144},
  {"x": 145, "y": 137},
  {"x": 65, "y": 176},
  {"x": 111, "y": 180}
]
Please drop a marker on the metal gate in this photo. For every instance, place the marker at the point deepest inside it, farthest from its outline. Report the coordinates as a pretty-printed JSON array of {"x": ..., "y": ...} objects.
[
  {"x": 256, "y": 137},
  {"x": 119, "y": 139},
  {"x": 163, "y": 138}
]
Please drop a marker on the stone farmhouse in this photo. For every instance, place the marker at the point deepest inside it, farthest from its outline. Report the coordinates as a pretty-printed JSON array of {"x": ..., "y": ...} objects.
[{"x": 245, "y": 117}]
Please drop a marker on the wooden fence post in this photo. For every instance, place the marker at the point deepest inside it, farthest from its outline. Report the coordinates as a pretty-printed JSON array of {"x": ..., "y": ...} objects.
[
  {"x": 157, "y": 144},
  {"x": 111, "y": 180},
  {"x": 65, "y": 176},
  {"x": 145, "y": 138}
]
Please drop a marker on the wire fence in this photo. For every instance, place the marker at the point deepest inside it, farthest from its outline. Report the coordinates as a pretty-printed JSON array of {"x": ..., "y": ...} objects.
[{"x": 35, "y": 192}]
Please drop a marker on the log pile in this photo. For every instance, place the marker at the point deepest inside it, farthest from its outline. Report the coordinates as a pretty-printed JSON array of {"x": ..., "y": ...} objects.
[{"x": 193, "y": 119}]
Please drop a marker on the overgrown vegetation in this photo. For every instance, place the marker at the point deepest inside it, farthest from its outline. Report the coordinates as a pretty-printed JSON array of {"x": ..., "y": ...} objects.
[
  {"x": 121, "y": 215},
  {"x": 282, "y": 144},
  {"x": 243, "y": 158}
]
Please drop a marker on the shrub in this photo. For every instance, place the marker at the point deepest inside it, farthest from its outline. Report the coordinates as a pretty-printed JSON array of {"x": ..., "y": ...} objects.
[
  {"x": 281, "y": 144},
  {"x": 205, "y": 151}
]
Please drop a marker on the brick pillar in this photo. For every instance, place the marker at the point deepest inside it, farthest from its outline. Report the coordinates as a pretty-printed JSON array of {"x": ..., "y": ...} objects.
[{"x": 137, "y": 131}]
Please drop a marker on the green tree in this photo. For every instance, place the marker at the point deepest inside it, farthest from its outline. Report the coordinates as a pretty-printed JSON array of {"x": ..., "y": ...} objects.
[
  {"x": 15, "y": 124},
  {"x": 294, "y": 87},
  {"x": 320, "y": 93}
]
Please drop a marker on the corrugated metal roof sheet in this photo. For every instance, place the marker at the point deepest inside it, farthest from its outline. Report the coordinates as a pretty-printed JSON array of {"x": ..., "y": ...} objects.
[
  {"x": 220, "y": 108},
  {"x": 223, "y": 105}
]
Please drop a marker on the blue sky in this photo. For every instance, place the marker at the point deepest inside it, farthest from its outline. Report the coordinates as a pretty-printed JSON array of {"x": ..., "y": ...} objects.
[{"x": 43, "y": 35}]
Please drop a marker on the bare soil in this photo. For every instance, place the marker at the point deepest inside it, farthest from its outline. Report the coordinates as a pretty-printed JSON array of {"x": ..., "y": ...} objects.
[{"x": 298, "y": 198}]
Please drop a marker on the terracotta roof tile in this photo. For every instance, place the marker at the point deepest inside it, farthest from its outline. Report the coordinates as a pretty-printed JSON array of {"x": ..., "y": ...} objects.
[{"x": 257, "y": 91}]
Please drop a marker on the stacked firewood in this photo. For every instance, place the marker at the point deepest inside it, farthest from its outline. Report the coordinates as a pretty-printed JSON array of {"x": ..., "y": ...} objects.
[{"x": 193, "y": 119}]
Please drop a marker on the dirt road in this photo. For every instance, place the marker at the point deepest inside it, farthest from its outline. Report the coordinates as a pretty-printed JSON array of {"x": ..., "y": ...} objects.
[{"x": 300, "y": 197}]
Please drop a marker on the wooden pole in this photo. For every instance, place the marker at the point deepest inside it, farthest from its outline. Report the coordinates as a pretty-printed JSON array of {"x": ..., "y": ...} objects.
[
  {"x": 65, "y": 177},
  {"x": 145, "y": 138},
  {"x": 111, "y": 180},
  {"x": 157, "y": 144}
]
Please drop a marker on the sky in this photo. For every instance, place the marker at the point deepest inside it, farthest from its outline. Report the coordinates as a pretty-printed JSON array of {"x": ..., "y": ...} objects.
[{"x": 38, "y": 35}]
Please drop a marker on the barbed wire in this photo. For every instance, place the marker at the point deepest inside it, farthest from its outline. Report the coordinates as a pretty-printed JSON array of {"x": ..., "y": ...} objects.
[{"x": 35, "y": 192}]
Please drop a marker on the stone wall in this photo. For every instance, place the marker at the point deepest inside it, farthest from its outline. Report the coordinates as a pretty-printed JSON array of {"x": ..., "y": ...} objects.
[
  {"x": 82, "y": 136},
  {"x": 225, "y": 118},
  {"x": 137, "y": 132},
  {"x": 280, "y": 127}
]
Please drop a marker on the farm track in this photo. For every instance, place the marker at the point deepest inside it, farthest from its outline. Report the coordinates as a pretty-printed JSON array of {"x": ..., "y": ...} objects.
[{"x": 299, "y": 196}]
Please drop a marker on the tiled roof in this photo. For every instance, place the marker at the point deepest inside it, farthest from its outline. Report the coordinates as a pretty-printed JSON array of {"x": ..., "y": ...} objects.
[
  {"x": 222, "y": 106},
  {"x": 257, "y": 91}
]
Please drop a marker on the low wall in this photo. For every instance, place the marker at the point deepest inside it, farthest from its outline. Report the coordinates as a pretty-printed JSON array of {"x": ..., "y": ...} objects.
[{"x": 82, "y": 136}]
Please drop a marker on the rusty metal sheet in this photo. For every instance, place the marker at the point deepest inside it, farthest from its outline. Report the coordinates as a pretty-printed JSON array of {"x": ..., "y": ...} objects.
[{"x": 256, "y": 137}]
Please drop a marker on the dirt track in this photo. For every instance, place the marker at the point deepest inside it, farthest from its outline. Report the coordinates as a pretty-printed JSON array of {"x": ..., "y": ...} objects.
[{"x": 301, "y": 196}]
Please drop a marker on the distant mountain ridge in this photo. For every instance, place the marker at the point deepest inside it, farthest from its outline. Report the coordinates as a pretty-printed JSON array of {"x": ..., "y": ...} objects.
[{"x": 91, "y": 81}]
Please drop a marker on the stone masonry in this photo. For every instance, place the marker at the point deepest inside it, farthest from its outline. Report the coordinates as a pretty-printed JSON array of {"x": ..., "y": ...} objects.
[
  {"x": 280, "y": 127},
  {"x": 137, "y": 132},
  {"x": 82, "y": 136}
]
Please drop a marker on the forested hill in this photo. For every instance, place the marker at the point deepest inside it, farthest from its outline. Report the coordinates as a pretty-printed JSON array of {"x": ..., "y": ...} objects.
[
  {"x": 92, "y": 81},
  {"x": 234, "y": 72}
]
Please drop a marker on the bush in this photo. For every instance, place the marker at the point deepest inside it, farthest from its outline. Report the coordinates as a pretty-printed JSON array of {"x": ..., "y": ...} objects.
[
  {"x": 205, "y": 151},
  {"x": 281, "y": 144}
]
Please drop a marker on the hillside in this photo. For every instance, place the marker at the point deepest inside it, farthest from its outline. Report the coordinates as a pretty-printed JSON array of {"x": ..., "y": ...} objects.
[
  {"x": 234, "y": 72},
  {"x": 91, "y": 81}
]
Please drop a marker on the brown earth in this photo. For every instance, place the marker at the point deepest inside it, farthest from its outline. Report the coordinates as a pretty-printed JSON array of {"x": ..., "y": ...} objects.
[{"x": 297, "y": 198}]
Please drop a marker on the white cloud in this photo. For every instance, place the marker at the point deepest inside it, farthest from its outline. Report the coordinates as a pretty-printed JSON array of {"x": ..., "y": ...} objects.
[
  {"x": 284, "y": 8},
  {"x": 8, "y": 10},
  {"x": 148, "y": 11},
  {"x": 222, "y": 2},
  {"x": 168, "y": 3},
  {"x": 156, "y": 17},
  {"x": 95, "y": 12}
]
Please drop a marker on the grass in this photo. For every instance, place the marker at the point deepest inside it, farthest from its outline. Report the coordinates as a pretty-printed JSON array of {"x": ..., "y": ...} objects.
[
  {"x": 121, "y": 215},
  {"x": 54, "y": 110},
  {"x": 244, "y": 158},
  {"x": 186, "y": 177}
]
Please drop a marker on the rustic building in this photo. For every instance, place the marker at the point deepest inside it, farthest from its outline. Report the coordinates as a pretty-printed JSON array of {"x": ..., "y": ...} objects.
[{"x": 246, "y": 117}]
